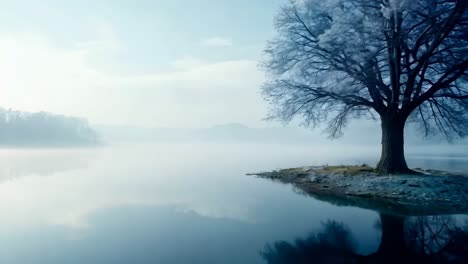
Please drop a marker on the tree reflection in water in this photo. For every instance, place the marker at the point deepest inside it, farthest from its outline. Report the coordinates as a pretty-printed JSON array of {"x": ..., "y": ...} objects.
[{"x": 428, "y": 239}]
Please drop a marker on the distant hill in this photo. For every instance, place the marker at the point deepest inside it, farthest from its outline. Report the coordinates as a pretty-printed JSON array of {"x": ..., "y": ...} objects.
[
  {"x": 364, "y": 133},
  {"x": 232, "y": 132},
  {"x": 44, "y": 129}
]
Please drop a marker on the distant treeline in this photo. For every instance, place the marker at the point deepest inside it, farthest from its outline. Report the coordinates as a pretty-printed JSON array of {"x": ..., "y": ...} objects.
[{"x": 44, "y": 129}]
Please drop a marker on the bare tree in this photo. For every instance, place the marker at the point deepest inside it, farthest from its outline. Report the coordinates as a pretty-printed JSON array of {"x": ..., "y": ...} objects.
[{"x": 395, "y": 60}]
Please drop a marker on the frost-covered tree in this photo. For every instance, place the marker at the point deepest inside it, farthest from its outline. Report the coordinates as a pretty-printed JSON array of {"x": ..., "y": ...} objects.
[{"x": 395, "y": 60}]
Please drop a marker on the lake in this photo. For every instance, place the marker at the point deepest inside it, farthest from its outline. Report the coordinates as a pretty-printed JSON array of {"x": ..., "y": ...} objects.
[{"x": 187, "y": 203}]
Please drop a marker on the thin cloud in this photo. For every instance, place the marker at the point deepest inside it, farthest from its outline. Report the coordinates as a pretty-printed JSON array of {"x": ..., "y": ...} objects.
[
  {"x": 217, "y": 42},
  {"x": 191, "y": 92}
]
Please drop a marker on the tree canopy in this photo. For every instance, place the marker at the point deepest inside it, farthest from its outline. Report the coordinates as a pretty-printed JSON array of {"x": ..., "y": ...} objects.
[{"x": 334, "y": 60}]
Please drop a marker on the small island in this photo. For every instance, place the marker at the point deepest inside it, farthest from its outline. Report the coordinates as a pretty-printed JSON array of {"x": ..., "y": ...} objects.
[
  {"x": 424, "y": 192},
  {"x": 386, "y": 62}
]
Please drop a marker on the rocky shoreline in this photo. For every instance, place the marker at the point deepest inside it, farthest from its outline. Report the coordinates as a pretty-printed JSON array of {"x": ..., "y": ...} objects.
[{"x": 430, "y": 192}]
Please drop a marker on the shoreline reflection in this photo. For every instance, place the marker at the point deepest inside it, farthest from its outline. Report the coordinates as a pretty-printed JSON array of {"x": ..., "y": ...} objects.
[{"x": 422, "y": 239}]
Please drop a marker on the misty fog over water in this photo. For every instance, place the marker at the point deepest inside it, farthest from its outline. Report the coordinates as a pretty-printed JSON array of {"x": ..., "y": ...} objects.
[{"x": 170, "y": 203}]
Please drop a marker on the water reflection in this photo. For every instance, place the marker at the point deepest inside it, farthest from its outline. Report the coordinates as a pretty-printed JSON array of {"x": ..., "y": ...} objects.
[
  {"x": 423, "y": 239},
  {"x": 17, "y": 163},
  {"x": 167, "y": 204}
]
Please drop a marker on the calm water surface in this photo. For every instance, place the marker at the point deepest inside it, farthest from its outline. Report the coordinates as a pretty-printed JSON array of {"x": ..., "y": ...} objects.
[{"x": 186, "y": 203}]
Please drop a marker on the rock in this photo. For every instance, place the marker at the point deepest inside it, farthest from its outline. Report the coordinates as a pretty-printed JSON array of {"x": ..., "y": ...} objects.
[{"x": 436, "y": 194}]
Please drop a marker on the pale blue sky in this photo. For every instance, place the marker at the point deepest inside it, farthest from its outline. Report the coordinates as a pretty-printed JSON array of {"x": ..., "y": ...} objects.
[{"x": 156, "y": 61}]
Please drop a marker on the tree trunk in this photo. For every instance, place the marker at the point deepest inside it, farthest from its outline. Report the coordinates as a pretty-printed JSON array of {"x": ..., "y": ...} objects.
[
  {"x": 393, "y": 238},
  {"x": 392, "y": 247},
  {"x": 392, "y": 159}
]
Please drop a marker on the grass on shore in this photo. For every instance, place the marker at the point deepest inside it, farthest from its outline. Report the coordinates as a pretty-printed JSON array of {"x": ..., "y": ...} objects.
[{"x": 347, "y": 170}]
